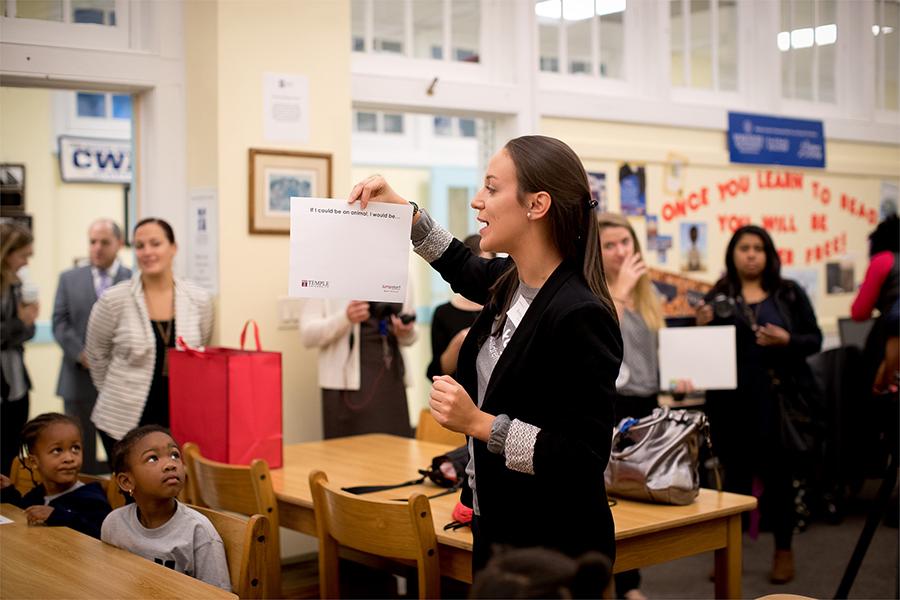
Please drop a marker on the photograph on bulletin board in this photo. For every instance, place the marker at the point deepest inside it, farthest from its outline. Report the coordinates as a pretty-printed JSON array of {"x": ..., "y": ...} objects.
[
  {"x": 694, "y": 247},
  {"x": 633, "y": 190},
  {"x": 839, "y": 277},
  {"x": 681, "y": 294},
  {"x": 597, "y": 182}
]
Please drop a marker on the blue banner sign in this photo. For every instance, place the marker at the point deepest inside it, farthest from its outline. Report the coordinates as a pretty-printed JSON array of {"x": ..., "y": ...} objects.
[{"x": 763, "y": 140}]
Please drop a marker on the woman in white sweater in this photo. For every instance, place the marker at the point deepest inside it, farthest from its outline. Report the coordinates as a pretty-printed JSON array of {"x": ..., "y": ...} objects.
[
  {"x": 361, "y": 370},
  {"x": 132, "y": 326}
]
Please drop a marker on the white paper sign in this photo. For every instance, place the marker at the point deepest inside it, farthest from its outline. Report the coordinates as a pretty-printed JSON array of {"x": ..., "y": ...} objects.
[
  {"x": 340, "y": 251},
  {"x": 705, "y": 355},
  {"x": 286, "y": 107},
  {"x": 203, "y": 234}
]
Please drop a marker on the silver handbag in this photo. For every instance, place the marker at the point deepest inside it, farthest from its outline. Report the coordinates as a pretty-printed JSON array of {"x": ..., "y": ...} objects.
[{"x": 655, "y": 459}]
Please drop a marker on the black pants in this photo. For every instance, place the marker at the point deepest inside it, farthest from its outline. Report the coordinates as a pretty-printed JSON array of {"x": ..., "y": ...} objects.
[
  {"x": 13, "y": 416},
  {"x": 80, "y": 409},
  {"x": 108, "y": 443}
]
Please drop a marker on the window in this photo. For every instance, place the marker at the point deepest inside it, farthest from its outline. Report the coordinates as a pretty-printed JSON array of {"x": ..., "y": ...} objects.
[
  {"x": 807, "y": 42},
  {"x": 886, "y": 30},
  {"x": 454, "y": 127},
  {"x": 393, "y": 123},
  {"x": 704, "y": 44},
  {"x": 377, "y": 122},
  {"x": 91, "y": 105},
  {"x": 367, "y": 122},
  {"x": 426, "y": 29},
  {"x": 96, "y": 12},
  {"x": 584, "y": 37},
  {"x": 121, "y": 106}
]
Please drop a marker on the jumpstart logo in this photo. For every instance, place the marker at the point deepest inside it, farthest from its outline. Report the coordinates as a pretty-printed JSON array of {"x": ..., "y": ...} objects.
[
  {"x": 393, "y": 289},
  {"x": 314, "y": 283}
]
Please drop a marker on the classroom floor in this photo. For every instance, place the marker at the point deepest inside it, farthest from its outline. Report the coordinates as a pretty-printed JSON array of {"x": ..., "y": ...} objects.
[{"x": 821, "y": 553}]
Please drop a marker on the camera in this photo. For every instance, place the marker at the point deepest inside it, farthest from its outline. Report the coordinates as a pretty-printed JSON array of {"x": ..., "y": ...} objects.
[
  {"x": 723, "y": 306},
  {"x": 384, "y": 310}
]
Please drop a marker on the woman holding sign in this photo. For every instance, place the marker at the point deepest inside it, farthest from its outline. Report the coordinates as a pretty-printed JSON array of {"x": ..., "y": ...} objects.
[
  {"x": 535, "y": 379},
  {"x": 758, "y": 429}
]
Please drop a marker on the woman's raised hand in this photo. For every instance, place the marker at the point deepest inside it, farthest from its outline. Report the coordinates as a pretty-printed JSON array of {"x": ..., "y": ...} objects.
[{"x": 374, "y": 189}]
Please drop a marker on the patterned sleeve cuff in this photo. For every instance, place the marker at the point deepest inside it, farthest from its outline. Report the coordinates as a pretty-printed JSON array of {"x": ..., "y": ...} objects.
[
  {"x": 519, "y": 447},
  {"x": 499, "y": 432},
  {"x": 429, "y": 239}
]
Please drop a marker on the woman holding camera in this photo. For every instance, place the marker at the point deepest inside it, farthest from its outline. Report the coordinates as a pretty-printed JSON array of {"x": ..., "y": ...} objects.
[
  {"x": 776, "y": 330},
  {"x": 361, "y": 370}
]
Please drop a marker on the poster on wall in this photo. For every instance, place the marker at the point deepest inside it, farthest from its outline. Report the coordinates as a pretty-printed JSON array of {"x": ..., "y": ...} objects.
[
  {"x": 597, "y": 182},
  {"x": 681, "y": 294},
  {"x": 663, "y": 245},
  {"x": 888, "y": 204},
  {"x": 839, "y": 277},
  {"x": 693, "y": 240},
  {"x": 203, "y": 239},
  {"x": 286, "y": 107},
  {"x": 652, "y": 231},
  {"x": 808, "y": 279},
  {"x": 633, "y": 190}
]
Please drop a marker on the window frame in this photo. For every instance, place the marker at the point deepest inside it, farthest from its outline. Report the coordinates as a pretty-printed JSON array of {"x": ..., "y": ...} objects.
[{"x": 69, "y": 34}]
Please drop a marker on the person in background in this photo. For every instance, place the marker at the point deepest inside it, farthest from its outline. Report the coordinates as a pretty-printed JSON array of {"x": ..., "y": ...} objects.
[
  {"x": 640, "y": 317},
  {"x": 76, "y": 293},
  {"x": 131, "y": 327},
  {"x": 53, "y": 444},
  {"x": 17, "y": 319},
  {"x": 879, "y": 290},
  {"x": 776, "y": 330},
  {"x": 361, "y": 370},
  {"x": 451, "y": 323},
  {"x": 535, "y": 379}
]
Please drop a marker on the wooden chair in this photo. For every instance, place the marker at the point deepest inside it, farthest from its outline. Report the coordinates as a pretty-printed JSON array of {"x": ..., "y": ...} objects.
[
  {"x": 430, "y": 430},
  {"x": 246, "y": 546},
  {"x": 400, "y": 531},
  {"x": 240, "y": 489},
  {"x": 22, "y": 480}
]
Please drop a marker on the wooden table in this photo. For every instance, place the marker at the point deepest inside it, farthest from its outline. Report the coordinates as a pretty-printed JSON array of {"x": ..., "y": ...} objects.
[
  {"x": 646, "y": 534},
  {"x": 58, "y": 562}
]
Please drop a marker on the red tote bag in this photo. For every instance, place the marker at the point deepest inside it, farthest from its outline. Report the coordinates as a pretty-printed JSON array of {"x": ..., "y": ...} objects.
[{"x": 227, "y": 401}]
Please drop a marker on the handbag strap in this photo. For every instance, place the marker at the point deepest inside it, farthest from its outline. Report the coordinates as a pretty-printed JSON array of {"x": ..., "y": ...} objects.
[
  {"x": 255, "y": 334},
  {"x": 368, "y": 489}
]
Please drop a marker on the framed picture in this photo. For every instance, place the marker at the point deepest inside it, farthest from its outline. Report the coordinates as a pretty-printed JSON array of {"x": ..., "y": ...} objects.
[
  {"x": 276, "y": 176},
  {"x": 12, "y": 189}
]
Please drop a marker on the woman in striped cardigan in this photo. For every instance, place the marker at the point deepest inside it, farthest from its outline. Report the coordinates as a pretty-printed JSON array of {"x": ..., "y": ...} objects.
[{"x": 131, "y": 327}]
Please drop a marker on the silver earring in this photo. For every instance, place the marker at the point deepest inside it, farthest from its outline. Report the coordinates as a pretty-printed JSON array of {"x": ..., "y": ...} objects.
[{"x": 528, "y": 214}]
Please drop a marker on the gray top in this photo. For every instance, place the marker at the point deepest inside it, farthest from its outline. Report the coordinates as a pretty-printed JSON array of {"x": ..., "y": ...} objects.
[
  {"x": 639, "y": 374},
  {"x": 187, "y": 543},
  {"x": 514, "y": 439}
]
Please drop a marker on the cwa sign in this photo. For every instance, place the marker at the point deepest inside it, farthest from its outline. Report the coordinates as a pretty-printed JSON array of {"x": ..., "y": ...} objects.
[{"x": 94, "y": 160}]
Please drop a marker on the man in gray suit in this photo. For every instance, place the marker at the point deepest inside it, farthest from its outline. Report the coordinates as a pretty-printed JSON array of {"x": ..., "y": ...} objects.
[{"x": 78, "y": 289}]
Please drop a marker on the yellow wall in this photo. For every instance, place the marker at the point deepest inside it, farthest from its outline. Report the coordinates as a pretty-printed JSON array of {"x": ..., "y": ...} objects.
[
  {"x": 854, "y": 170},
  {"x": 62, "y": 214},
  {"x": 229, "y": 47}
]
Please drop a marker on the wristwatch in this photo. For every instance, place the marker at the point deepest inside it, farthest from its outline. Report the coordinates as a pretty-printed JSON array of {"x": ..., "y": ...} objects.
[{"x": 415, "y": 208}]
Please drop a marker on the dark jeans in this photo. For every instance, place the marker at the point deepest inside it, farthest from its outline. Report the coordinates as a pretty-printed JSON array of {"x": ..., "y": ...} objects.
[
  {"x": 13, "y": 416},
  {"x": 108, "y": 443}
]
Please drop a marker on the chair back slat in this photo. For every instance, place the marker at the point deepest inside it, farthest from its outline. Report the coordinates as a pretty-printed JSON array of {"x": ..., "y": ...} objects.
[
  {"x": 390, "y": 529},
  {"x": 246, "y": 543},
  {"x": 429, "y": 430},
  {"x": 240, "y": 489}
]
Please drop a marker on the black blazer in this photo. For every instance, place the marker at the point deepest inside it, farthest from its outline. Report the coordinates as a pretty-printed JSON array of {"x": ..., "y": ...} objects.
[{"x": 557, "y": 373}]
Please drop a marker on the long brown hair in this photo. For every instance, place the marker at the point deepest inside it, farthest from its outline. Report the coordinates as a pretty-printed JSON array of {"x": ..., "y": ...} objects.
[
  {"x": 645, "y": 299},
  {"x": 13, "y": 236},
  {"x": 545, "y": 164}
]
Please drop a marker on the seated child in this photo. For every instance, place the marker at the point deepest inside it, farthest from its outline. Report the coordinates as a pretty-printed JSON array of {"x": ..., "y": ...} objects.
[
  {"x": 148, "y": 467},
  {"x": 541, "y": 573},
  {"x": 53, "y": 443}
]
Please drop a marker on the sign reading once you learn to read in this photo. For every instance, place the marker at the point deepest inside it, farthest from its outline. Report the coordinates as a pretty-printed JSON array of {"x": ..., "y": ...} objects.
[
  {"x": 763, "y": 140},
  {"x": 341, "y": 251},
  {"x": 94, "y": 160}
]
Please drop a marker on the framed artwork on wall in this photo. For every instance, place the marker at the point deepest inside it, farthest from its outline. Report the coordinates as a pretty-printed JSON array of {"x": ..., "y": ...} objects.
[{"x": 276, "y": 176}]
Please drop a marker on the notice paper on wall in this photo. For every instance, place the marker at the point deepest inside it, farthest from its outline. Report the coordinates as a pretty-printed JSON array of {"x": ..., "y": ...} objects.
[
  {"x": 341, "y": 251},
  {"x": 704, "y": 355}
]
